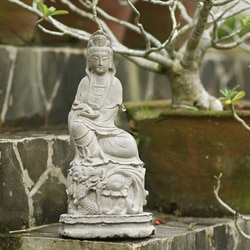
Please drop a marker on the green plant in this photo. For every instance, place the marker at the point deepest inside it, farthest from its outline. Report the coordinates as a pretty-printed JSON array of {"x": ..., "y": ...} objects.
[
  {"x": 231, "y": 97},
  {"x": 50, "y": 11}
]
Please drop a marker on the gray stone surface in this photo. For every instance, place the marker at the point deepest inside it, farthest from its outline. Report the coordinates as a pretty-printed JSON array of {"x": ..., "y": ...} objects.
[
  {"x": 208, "y": 234},
  {"x": 33, "y": 170}
]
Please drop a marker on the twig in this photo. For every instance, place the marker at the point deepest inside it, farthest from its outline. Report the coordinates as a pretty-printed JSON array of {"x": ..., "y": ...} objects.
[
  {"x": 137, "y": 23},
  {"x": 226, "y": 206},
  {"x": 163, "y": 3},
  {"x": 235, "y": 115},
  {"x": 94, "y": 3},
  {"x": 239, "y": 228}
]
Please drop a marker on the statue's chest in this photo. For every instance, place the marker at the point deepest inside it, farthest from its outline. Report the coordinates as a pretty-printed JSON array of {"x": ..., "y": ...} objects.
[{"x": 97, "y": 96}]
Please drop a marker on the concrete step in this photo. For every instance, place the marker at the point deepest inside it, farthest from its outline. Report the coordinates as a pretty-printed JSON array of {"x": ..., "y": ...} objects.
[{"x": 207, "y": 234}]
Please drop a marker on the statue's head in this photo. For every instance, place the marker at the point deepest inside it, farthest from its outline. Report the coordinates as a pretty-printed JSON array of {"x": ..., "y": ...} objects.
[
  {"x": 99, "y": 53},
  {"x": 99, "y": 42}
]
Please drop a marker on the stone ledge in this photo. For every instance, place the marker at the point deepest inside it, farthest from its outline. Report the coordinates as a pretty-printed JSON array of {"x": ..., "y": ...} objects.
[{"x": 209, "y": 233}]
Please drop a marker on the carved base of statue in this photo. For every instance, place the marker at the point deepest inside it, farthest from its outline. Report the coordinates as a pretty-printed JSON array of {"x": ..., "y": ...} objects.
[
  {"x": 105, "y": 184},
  {"x": 106, "y": 226},
  {"x": 106, "y": 202}
]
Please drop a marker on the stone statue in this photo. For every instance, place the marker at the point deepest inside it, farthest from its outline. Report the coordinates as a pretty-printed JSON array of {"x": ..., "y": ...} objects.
[{"x": 106, "y": 178}]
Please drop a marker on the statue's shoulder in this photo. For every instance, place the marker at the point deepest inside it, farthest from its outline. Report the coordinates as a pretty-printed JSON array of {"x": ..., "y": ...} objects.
[
  {"x": 117, "y": 82},
  {"x": 84, "y": 80}
]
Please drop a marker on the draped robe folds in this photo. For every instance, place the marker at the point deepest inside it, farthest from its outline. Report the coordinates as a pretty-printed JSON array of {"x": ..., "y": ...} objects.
[{"x": 91, "y": 125}]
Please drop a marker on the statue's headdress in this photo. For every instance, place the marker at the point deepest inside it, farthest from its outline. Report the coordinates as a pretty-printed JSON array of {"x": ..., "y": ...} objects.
[{"x": 99, "y": 41}]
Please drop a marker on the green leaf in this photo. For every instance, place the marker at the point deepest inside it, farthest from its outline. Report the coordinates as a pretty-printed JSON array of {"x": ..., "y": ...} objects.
[
  {"x": 226, "y": 27},
  {"x": 218, "y": 177},
  {"x": 224, "y": 92},
  {"x": 245, "y": 21},
  {"x": 51, "y": 11},
  {"x": 239, "y": 95},
  {"x": 228, "y": 101},
  {"x": 43, "y": 8},
  {"x": 59, "y": 12}
]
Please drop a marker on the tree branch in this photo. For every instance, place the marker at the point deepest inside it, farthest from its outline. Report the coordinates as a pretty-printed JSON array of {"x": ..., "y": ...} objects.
[
  {"x": 195, "y": 36},
  {"x": 226, "y": 206},
  {"x": 236, "y": 214},
  {"x": 239, "y": 228},
  {"x": 159, "y": 2},
  {"x": 237, "y": 118}
]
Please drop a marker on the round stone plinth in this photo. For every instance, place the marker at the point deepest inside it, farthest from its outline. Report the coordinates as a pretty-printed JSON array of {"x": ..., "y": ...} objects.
[{"x": 106, "y": 226}]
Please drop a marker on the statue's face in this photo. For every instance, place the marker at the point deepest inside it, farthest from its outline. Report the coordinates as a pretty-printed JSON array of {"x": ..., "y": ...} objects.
[{"x": 99, "y": 62}]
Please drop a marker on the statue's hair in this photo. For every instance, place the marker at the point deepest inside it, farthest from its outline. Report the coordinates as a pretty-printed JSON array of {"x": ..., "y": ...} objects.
[{"x": 99, "y": 41}]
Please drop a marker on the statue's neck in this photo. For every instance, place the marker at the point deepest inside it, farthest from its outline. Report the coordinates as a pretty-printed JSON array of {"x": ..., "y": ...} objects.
[{"x": 101, "y": 79}]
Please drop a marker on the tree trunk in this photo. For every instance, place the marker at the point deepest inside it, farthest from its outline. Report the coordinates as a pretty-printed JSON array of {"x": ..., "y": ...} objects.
[{"x": 188, "y": 91}]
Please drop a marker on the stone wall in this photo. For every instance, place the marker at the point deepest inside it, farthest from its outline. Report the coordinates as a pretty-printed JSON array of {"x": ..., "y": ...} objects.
[{"x": 33, "y": 170}]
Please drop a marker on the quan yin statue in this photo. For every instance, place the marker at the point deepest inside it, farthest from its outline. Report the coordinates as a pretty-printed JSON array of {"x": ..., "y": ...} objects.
[{"x": 105, "y": 184}]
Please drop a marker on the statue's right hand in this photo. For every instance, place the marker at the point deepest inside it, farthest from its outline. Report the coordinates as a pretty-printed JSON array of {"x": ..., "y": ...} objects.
[
  {"x": 81, "y": 106},
  {"x": 88, "y": 113}
]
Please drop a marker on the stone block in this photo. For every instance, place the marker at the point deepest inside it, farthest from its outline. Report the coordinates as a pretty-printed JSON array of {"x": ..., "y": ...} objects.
[
  {"x": 38, "y": 85},
  {"x": 33, "y": 170}
]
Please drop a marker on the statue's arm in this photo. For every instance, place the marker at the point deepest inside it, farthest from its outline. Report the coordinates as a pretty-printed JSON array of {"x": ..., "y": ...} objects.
[{"x": 79, "y": 105}]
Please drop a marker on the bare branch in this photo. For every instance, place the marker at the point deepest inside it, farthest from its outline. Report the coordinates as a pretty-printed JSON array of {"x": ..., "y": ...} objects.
[
  {"x": 145, "y": 64},
  {"x": 226, "y": 206},
  {"x": 173, "y": 34},
  {"x": 154, "y": 57},
  {"x": 125, "y": 3},
  {"x": 231, "y": 45},
  {"x": 183, "y": 12},
  {"x": 94, "y": 3},
  {"x": 195, "y": 36},
  {"x": 51, "y": 32},
  {"x": 217, "y": 3},
  {"x": 137, "y": 23},
  {"x": 159, "y": 2},
  {"x": 128, "y": 25},
  {"x": 239, "y": 228},
  {"x": 237, "y": 118}
]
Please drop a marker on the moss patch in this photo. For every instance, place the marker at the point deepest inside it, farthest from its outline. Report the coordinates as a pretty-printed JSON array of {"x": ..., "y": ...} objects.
[{"x": 138, "y": 111}]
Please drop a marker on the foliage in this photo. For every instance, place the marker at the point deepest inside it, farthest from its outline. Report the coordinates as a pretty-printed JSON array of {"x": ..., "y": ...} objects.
[
  {"x": 232, "y": 96},
  {"x": 50, "y": 11}
]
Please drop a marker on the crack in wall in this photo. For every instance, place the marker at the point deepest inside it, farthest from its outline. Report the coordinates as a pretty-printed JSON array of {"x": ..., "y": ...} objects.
[
  {"x": 31, "y": 187},
  {"x": 48, "y": 101}
]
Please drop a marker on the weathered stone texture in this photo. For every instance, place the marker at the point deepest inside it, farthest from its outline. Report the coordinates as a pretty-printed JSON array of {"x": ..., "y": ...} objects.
[
  {"x": 38, "y": 85},
  {"x": 33, "y": 170},
  {"x": 14, "y": 202}
]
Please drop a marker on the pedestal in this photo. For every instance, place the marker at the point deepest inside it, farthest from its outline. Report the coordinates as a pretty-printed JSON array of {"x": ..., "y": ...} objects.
[{"x": 106, "y": 226}]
